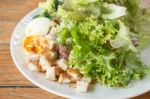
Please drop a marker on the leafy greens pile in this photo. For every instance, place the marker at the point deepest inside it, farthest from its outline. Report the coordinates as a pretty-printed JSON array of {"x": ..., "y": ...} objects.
[{"x": 104, "y": 36}]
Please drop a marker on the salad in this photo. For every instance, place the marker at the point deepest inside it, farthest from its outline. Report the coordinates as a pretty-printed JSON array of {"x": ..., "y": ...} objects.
[{"x": 89, "y": 41}]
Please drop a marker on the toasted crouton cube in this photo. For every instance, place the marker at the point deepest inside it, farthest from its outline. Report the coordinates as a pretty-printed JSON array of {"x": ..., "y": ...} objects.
[
  {"x": 62, "y": 64},
  {"x": 33, "y": 57},
  {"x": 50, "y": 55},
  {"x": 49, "y": 41},
  {"x": 44, "y": 63},
  {"x": 50, "y": 73},
  {"x": 64, "y": 78},
  {"x": 85, "y": 79},
  {"x": 53, "y": 56},
  {"x": 51, "y": 45},
  {"x": 74, "y": 73},
  {"x": 82, "y": 86},
  {"x": 48, "y": 44}
]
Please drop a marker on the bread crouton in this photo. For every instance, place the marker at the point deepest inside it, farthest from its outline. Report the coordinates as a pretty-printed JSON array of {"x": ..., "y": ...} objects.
[
  {"x": 51, "y": 73},
  {"x": 44, "y": 63},
  {"x": 74, "y": 73},
  {"x": 62, "y": 64},
  {"x": 64, "y": 78},
  {"x": 82, "y": 86}
]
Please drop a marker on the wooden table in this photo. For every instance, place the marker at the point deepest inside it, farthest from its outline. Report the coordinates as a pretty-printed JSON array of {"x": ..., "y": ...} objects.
[{"x": 12, "y": 84}]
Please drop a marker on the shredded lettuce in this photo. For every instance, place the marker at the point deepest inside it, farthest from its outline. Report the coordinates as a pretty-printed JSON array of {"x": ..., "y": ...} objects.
[
  {"x": 123, "y": 39},
  {"x": 114, "y": 11},
  {"x": 50, "y": 6},
  {"x": 92, "y": 54},
  {"x": 99, "y": 34},
  {"x": 80, "y": 9}
]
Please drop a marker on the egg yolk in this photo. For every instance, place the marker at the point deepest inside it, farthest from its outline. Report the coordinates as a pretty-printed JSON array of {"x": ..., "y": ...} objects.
[{"x": 32, "y": 44}]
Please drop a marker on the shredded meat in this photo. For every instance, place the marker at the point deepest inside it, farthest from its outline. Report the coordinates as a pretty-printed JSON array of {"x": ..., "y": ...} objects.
[{"x": 63, "y": 52}]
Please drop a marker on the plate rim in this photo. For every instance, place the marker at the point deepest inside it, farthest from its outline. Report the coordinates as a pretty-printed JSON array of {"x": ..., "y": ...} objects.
[
  {"x": 34, "y": 82},
  {"x": 19, "y": 68}
]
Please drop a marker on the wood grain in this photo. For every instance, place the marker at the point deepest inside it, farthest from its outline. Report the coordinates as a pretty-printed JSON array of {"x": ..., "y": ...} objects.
[
  {"x": 26, "y": 93},
  {"x": 11, "y": 11},
  {"x": 10, "y": 73},
  {"x": 144, "y": 96},
  {"x": 12, "y": 84}
]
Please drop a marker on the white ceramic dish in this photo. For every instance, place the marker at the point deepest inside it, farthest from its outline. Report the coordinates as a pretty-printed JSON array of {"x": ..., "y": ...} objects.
[{"x": 96, "y": 91}]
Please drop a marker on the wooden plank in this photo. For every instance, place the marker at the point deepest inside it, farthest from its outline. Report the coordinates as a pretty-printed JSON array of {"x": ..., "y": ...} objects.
[
  {"x": 9, "y": 72},
  {"x": 144, "y": 96},
  {"x": 10, "y": 13},
  {"x": 6, "y": 29},
  {"x": 14, "y": 11},
  {"x": 31, "y": 93},
  {"x": 26, "y": 93}
]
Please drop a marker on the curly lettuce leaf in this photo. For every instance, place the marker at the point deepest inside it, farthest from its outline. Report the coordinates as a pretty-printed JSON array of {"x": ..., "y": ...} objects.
[
  {"x": 123, "y": 39},
  {"x": 144, "y": 31},
  {"x": 76, "y": 15},
  {"x": 73, "y": 10},
  {"x": 133, "y": 63},
  {"x": 114, "y": 11},
  {"x": 98, "y": 34},
  {"x": 91, "y": 53},
  {"x": 80, "y": 9},
  {"x": 49, "y": 5}
]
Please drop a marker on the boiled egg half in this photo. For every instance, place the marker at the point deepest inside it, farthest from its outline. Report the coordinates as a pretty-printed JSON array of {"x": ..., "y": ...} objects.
[{"x": 38, "y": 26}]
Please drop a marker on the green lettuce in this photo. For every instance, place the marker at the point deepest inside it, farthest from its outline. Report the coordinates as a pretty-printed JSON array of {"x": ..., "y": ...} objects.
[
  {"x": 99, "y": 34},
  {"x": 50, "y": 6},
  {"x": 123, "y": 39},
  {"x": 80, "y": 9},
  {"x": 92, "y": 54},
  {"x": 113, "y": 11}
]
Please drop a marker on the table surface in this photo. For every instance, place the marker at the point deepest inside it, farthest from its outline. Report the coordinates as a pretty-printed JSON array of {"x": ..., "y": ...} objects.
[{"x": 13, "y": 85}]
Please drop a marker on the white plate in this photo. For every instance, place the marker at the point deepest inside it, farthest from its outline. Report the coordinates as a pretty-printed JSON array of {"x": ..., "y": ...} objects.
[{"x": 95, "y": 92}]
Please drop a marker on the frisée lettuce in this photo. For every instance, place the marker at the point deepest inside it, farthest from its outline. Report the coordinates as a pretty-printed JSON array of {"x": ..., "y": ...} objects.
[{"x": 102, "y": 36}]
